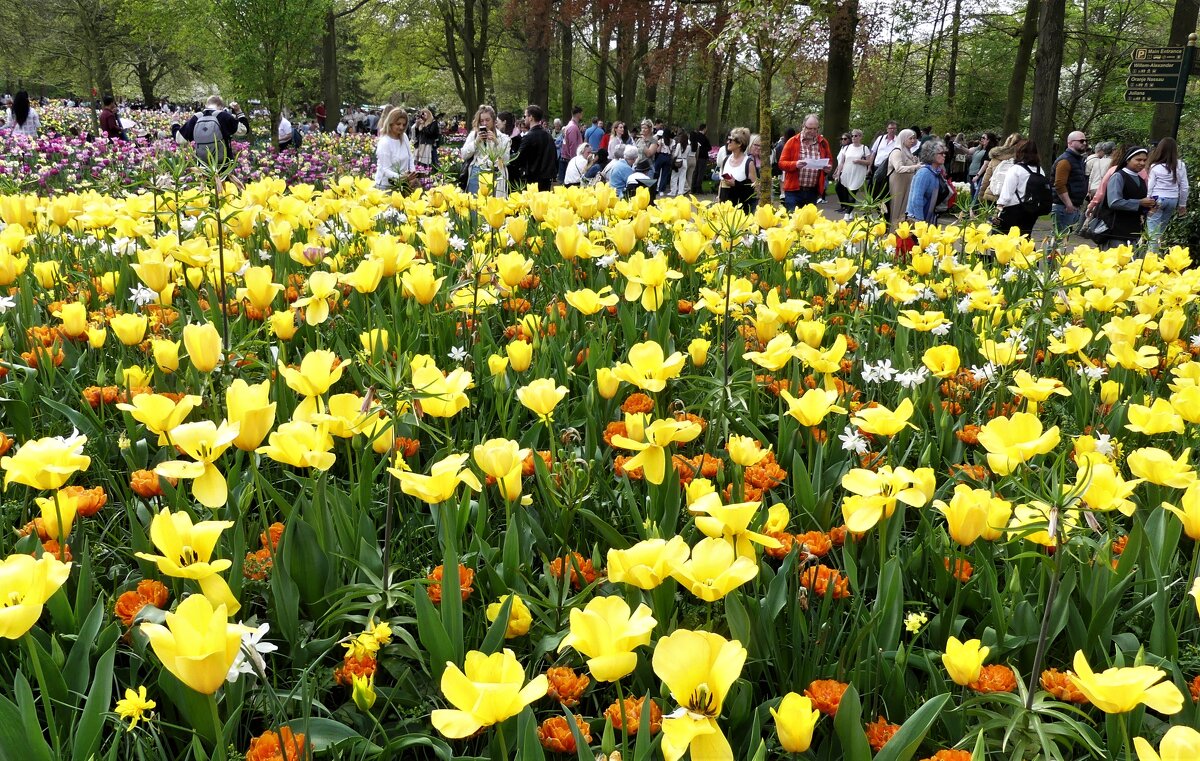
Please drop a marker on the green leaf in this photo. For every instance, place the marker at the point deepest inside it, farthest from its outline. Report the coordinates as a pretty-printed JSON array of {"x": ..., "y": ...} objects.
[
  {"x": 907, "y": 741},
  {"x": 738, "y": 618},
  {"x": 307, "y": 564},
  {"x": 91, "y": 721},
  {"x": 582, "y": 749},
  {"x": 530, "y": 746},
  {"x": 27, "y": 719},
  {"x": 848, "y": 724},
  {"x": 495, "y": 633},
  {"x": 327, "y": 733},
  {"x": 192, "y": 706},
  {"x": 432, "y": 634},
  {"x": 17, "y": 741},
  {"x": 78, "y": 667}
]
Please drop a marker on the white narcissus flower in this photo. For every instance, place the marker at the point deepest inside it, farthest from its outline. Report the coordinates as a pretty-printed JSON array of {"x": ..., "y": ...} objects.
[{"x": 250, "y": 658}]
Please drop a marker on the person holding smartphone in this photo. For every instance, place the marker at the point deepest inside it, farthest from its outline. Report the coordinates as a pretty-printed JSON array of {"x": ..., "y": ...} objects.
[
  {"x": 486, "y": 150},
  {"x": 738, "y": 173}
]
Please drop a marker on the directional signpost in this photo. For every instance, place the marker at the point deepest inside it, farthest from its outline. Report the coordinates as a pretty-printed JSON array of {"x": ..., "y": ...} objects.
[{"x": 1160, "y": 75}]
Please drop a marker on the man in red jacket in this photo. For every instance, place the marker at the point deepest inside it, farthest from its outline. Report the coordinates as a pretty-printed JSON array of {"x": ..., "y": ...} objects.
[{"x": 805, "y": 161}]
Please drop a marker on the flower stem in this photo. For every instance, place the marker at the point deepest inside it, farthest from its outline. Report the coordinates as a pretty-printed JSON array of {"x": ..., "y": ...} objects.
[
  {"x": 219, "y": 746},
  {"x": 47, "y": 705},
  {"x": 624, "y": 719}
]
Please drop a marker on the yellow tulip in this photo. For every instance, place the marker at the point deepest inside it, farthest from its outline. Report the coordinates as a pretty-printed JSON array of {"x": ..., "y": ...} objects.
[
  {"x": 198, "y": 644},
  {"x": 322, "y": 286},
  {"x": 513, "y": 267},
  {"x": 519, "y": 617},
  {"x": 96, "y": 336},
  {"x": 795, "y": 720},
  {"x": 1171, "y": 323},
  {"x": 1032, "y": 522},
  {"x": 690, "y": 245},
  {"x": 874, "y": 493},
  {"x": 1036, "y": 389},
  {"x": 607, "y": 633},
  {"x": 319, "y": 369},
  {"x": 698, "y": 669},
  {"x": 1180, "y": 743},
  {"x": 187, "y": 550},
  {"x": 1011, "y": 441},
  {"x": 884, "y": 422},
  {"x": 974, "y": 514},
  {"x": 732, "y": 522},
  {"x": 283, "y": 324},
  {"x": 46, "y": 463},
  {"x": 159, "y": 413},
  {"x": 497, "y": 366},
  {"x": 1159, "y": 467},
  {"x": 444, "y": 477},
  {"x": 780, "y": 241},
  {"x": 166, "y": 354},
  {"x": 203, "y": 344},
  {"x": 1120, "y": 690},
  {"x": 714, "y": 569},
  {"x": 648, "y": 367},
  {"x": 607, "y": 382},
  {"x": 651, "y": 454},
  {"x": 489, "y": 692},
  {"x": 259, "y": 289},
  {"x": 1110, "y": 392},
  {"x": 502, "y": 459},
  {"x": 25, "y": 586},
  {"x": 301, "y": 445},
  {"x": 419, "y": 282},
  {"x": 366, "y": 276},
  {"x": 136, "y": 376},
  {"x": 1159, "y": 417},
  {"x": 745, "y": 451},
  {"x": 251, "y": 408},
  {"x": 964, "y": 660},
  {"x": 541, "y": 397},
  {"x": 434, "y": 235},
  {"x": 46, "y": 273},
  {"x": 74, "y": 319},
  {"x": 648, "y": 563},
  {"x": 590, "y": 302},
  {"x": 520, "y": 355},
  {"x": 204, "y": 442},
  {"x": 155, "y": 273},
  {"x": 1188, "y": 511},
  {"x": 778, "y": 352},
  {"x": 922, "y": 322},
  {"x": 813, "y": 406},
  {"x": 439, "y": 395},
  {"x": 698, "y": 351},
  {"x": 811, "y": 332}
]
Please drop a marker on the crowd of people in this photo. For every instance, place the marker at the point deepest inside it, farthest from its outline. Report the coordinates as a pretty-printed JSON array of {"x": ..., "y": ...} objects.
[{"x": 1111, "y": 193}]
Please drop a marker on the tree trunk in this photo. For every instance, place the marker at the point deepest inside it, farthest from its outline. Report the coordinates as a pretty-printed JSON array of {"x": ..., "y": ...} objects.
[
  {"x": 932, "y": 55},
  {"x": 766, "y": 73},
  {"x": 952, "y": 73},
  {"x": 1016, "y": 84},
  {"x": 146, "y": 84},
  {"x": 537, "y": 38},
  {"x": 839, "y": 71},
  {"x": 727, "y": 96},
  {"x": 712, "y": 107},
  {"x": 329, "y": 73},
  {"x": 605, "y": 32},
  {"x": 568, "y": 68},
  {"x": 1183, "y": 23},
  {"x": 1047, "y": 68}
]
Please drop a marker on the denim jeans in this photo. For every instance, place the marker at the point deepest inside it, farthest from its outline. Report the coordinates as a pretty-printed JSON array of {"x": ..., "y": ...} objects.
[
  {"x": 1062, "y": 220},
  {"x": 1159, "y": 219},
  {"x": 793, "y": 199}
]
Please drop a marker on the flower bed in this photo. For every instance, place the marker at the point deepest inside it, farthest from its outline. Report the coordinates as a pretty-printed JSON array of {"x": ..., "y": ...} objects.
[{"x": 441, "y": 476}]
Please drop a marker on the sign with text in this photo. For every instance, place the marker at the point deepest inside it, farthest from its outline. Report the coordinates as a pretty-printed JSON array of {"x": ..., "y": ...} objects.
[{"x": 1154, "y": 74}]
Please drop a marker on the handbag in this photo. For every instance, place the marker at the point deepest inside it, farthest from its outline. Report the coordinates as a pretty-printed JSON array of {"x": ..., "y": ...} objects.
[{"x": 1093, "y": 228}]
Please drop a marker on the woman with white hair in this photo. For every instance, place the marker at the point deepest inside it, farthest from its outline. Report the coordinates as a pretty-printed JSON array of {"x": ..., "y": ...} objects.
[
  {"x": 393, "y": 152},
  {"x": 579, "y": 168}
]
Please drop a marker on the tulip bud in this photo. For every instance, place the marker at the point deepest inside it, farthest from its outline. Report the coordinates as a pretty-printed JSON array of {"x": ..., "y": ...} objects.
[
  {"x": 497, "y": 364},
  {"x": 135, "y": 376},
  {"x": 364, "y": 692},
  {"x": 520, "y": 355},
  {"x": 1110, "y": 392},
  {"x": 374, "y": 338},
  {"x": 698, "y": 351},
  {"x": 195, "y": 276},
  {"x": 96, "y": 336},
  {"x": 203, "y": 344},
  {"x": 129, "y": 328},
  {"x": 607, "y": 382},
  {"x": 1170, "y": 324},
  {"x": 74, "y": 319},
  {"x": 166, "y": 354}
]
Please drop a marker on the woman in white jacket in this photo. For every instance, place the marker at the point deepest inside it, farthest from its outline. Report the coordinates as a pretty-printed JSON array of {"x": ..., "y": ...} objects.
[
  {"x": 486, "y": 149},
  {"x": 1168, "y": 182},
  {"x": 683, "y": 154},
  {"x": 393, "y": 152}
]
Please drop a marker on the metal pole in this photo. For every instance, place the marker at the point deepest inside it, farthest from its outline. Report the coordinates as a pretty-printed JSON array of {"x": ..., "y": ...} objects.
[{"x": 1185, "y": 72}]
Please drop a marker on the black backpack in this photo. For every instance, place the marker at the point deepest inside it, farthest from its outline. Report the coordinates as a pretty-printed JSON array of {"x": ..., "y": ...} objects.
[{"x": 1038, "y": 196}]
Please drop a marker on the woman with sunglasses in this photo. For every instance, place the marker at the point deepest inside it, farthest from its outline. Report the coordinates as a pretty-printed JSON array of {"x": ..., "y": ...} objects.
[{"x": 738, "y": 174}]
